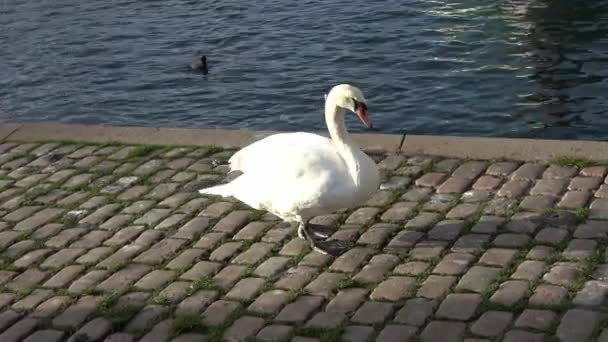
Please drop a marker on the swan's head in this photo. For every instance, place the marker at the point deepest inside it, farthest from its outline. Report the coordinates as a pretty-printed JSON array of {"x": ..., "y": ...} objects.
[{"x": 352, "y": 99}]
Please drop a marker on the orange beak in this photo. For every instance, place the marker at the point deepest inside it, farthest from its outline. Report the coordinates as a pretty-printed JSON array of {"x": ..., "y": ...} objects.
[{"x": 361, "y": 112}]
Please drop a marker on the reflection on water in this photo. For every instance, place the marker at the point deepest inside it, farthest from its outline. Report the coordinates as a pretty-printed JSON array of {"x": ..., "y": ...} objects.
[
  {"x": 517, "y": 68},
  {"x": 558, "y": 40}
]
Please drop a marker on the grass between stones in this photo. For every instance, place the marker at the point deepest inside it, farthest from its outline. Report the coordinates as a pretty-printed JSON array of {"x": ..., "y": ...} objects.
[{"x": 574, "y": 161}]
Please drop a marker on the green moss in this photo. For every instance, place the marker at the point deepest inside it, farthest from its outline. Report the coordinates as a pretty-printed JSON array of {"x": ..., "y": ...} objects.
[
  {"x": 573, "y": 161},
  {"x": 582, "y": 214},
  {"x": 184, "y": 323}
]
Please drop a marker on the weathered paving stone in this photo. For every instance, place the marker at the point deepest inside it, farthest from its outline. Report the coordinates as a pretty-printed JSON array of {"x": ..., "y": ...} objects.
[
  {"x": 93, "y": 330},
  {"x": 393, "y": 289},
  {"x": 46, "y": 335},
  {"x": 399, "y": 212},
  {"x": 372, "y": 313},
  {"x": 324, "y": 284},
  {"x": 520, "y": 335},
  {"x": 416, "y": 311},
  {"x": 232, "y": 222},
  {"x": 510, "y": 292},
  {"x": 403, "y": 241},
  {"x": 51, "y": 307},
  {"x": 219, "y": 312},
  {"x": 20, "y": 330},
  {"x": 459, "y": 306},
  {"x": 251, "y": 231},
  {"x": 394, "y": 332},
  {"x": 577, "y": 325},
  {"x": 502, "y": 168},
  {"x": 32, "y": 300},
  {"x": 491, "y": 323},
  {"x": 357, "y": 333},
  {"x": 432, "y": 179},
  {"x": 160, "y": 332},
  {"x": 563, "y": 274},
  {"x": 243, "y": 329},
  {"x": 146, "y": 317},
  {"x": 428, "y": 249},
  {"x": 551, "y": 236},
  {"x": 478, "y": 278},
  {"x": 347, "y": 300},
  {"x": 271, "y": 267},
  {"x": 299, "y": 310},
  {"x": 530, "y": 270},
  {"x": 326, "y": 320},
  {"x": 454, "y": 264},
  {"x": 535, "y": 319},
  {"x": 454, "y": 185},
  {"x": 548, "y": 187},
  {"x": 256, "y": 252},
  {"x": 591, "y": 230},
  {"x": 592, "y": 294},
  {"x": 498, "y": 257},
  {"x": 362, "y": 216},
  {"x": 228, "y": 276},
  {"x": 64, "y": 277},
  {"x": 197, "y": 302},
  {"x": 27, "y": 280},
  {"x": 487, "y": 183},
  {"x": 88, "y": 280},
  {"x": 296, "y": 277},
  {"x": 579, "y": 249},
  {"x": 548, "y": 295},
  {"x": 77, "y": 313},
  {"x": 377, "y": 234},
  {"x": 447, "y": 230},
  {"x": 436, "y": 287},
  {"x": 225, "y": 251},
  {"x": 269, "y": 302},
  {"x": 38, "y": 219},
  {"x": 209, "y": 240},
  {"x": 436, "y": 331},
  {"x": 160, "y": 251},
  {"x": 246, "y": 289},
  {"x": 351, "y": 260},
  {"x": 376, "y": 269},
  {"x": 514, "y": 188},
  {"x": 185, "y": 259},
  {"x": 412, "y": 268},
  {"x": 274, "y": 332},
  {"x": 511, "y": 240},
  {"x": 124, "y": 278}
]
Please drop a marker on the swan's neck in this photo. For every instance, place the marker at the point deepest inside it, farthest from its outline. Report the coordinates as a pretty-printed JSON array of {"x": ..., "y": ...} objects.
[{"x": 334, "y": 118}]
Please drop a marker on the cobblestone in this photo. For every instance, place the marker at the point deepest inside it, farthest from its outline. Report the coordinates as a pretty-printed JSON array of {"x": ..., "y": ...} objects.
[{"x": 123, "y": 226}]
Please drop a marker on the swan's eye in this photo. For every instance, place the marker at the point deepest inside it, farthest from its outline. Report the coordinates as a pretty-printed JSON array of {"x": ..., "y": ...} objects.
[{"x": 359, "y": 105}]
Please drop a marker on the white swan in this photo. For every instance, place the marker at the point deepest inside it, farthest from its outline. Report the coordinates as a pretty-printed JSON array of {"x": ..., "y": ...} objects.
[{"x": 297, "y": 176}]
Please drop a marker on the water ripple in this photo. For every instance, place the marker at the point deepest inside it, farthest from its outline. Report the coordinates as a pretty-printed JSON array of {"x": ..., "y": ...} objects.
[{"x": 511, "y": 68}]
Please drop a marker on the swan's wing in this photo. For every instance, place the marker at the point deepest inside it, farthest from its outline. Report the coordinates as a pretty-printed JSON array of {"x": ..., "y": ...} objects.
[
  {"x": 275, "y": 148},
  {"x": 288, "y": 171}
]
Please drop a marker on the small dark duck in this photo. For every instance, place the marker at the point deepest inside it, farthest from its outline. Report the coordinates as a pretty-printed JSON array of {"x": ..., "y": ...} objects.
[{"x": 199, "y": 63}]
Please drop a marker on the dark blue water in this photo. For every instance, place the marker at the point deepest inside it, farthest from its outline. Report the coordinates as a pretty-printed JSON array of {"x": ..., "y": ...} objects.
[{"x": 524, "y": 68}]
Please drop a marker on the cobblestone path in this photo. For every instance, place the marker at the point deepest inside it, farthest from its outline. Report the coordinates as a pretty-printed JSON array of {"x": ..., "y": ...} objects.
[{"x": 112, "y": 243}]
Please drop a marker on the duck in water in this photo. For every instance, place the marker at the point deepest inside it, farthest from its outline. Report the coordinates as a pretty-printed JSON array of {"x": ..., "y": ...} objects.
[{"x": 199, "y": 63}]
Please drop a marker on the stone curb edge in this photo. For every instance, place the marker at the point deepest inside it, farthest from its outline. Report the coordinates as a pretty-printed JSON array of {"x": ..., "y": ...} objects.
[{"x": 444, "y": 146}]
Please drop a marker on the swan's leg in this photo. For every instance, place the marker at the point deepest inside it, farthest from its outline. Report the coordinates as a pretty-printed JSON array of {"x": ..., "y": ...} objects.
[
  {"x": 320, "y": 231},
  {"x": 332, "y": 247},
  {"x": 301, "y": 231}
]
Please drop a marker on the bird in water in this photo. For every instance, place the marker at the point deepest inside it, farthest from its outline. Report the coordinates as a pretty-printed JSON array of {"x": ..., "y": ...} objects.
[{"x": 199, "y": 63}]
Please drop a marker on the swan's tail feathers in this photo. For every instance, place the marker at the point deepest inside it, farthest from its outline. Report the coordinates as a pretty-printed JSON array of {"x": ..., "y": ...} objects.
[{"x": 220, "y": 190}]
